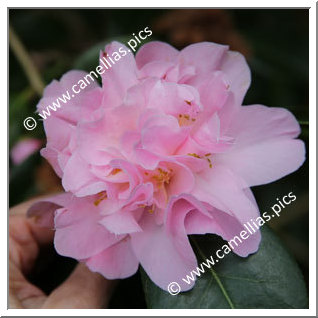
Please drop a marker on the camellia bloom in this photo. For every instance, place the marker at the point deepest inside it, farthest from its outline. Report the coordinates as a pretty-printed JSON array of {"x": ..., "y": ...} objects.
[
  {"x": 162, "y": 150},
  {"x": 24, "y": 148}
]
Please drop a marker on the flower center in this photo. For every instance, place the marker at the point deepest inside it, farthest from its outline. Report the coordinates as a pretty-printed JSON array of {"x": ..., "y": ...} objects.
[{"x": 160, "y": 177}]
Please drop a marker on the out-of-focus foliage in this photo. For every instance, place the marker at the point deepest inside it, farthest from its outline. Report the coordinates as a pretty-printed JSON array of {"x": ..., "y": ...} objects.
[{"x": 275, "y": 43}]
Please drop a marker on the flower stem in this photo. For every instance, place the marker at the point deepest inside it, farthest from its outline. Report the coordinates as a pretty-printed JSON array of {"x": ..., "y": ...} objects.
[{"x": 26, "y": 62}]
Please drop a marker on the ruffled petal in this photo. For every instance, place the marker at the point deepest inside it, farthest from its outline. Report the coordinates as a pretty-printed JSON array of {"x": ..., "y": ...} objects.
[
  {"x": 78, "y": 231},
  {"x": 117, "y": 261}
]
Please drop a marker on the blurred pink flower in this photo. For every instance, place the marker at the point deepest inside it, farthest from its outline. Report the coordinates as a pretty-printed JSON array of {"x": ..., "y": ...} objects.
[
  {"x": 162, "y": 150},
  {"x": 24, "y": 148}
]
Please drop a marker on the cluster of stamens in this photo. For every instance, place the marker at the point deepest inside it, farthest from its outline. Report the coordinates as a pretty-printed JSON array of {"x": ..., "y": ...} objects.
[
  {"x": 185, "y": 120},
  {"x": 163, "y": 177}
]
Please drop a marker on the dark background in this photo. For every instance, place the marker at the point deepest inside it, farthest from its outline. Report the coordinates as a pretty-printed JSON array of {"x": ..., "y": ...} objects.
[{"x": 275, "y": 43}]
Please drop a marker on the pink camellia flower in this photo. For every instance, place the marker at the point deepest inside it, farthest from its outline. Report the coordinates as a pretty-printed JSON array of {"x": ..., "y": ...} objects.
[
  {"x": 24, "y": 148},
  {"x": 162, "y": 150}
]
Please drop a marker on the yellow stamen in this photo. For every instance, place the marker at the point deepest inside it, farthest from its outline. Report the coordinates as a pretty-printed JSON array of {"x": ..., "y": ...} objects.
[
  {"x": 152, "y": 209},
  {"x": 115, "y": 171},
  {"x": 100, "y": 197},
  {"x": 205, "y": 157},
  {"x": 184, "y": 120},
  {"x": 194, "y": 155},
  {"x": 163, "y": 177}
]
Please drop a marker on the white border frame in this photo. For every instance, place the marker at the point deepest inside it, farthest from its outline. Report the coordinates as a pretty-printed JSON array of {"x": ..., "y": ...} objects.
[{"x": 312, "y": 161}]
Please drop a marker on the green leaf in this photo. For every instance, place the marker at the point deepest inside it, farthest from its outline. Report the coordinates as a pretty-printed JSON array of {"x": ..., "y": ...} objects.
[{"x": 269, "y": 278}]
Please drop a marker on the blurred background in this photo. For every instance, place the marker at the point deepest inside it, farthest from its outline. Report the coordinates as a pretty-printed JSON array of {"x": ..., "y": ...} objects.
[{"x": 44, "y": 44}]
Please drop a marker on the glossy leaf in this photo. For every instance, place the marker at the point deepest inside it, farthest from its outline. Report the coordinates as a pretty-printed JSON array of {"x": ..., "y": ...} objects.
[{"x": 268, "y": 279}]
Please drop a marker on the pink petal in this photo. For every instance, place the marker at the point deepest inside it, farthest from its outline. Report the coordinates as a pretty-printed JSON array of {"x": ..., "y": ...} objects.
[
  {"x": 23, "y": 149},
  {"x": 58, "y": 133},
  {"x": 186, "y": 215},
  {"x": 44, "y": 210},
  {"x": 182, "y": 180},
  {"x": 77, "y": 176},
  {"x": 163, "y": 95},
  {"x": 99, "y": 141},
  {"x": 78, "y": 231},
  {"x": 70, "y": 110},
  {"x": 155, "y": 51},
  {"x": 220, "y": 188},
  {"x": 91, "y": 188},
  {"x": 160, "y": 257},
  {"x": 120, "y": 77},
  {"x": 141, "y": 196},
  {"x": 205, "y": 56},
  {"x": 214, "y": 91},
  {"x": 56, "y": 88},
  {"x": 162, "y": 135},
  {"x": 117, "y": 261},
  {"x": 121, "y": 222},
  {"x": 198, "y": 223},
  {"x": 52, "y": 156},
  {"x": 264, "y": 148},
  {"x": 229, "y": 228},
  {"x": 177, "y": 217},
  {"x": 238, "y": 74},
  {"x": 155, "y": 69}
]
